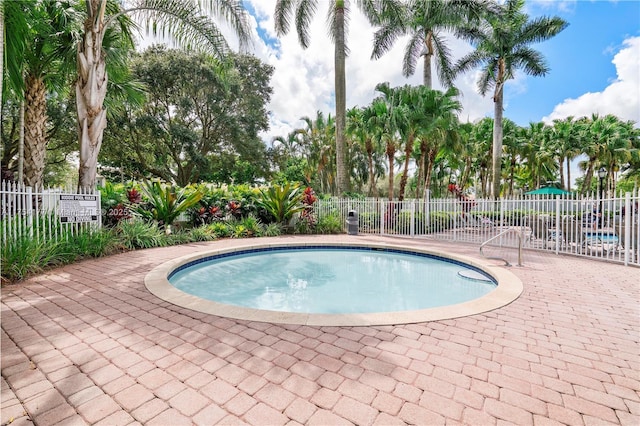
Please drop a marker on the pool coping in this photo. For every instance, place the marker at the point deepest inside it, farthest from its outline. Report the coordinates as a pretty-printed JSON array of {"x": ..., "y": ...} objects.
[{"x": 509, "y": 289}]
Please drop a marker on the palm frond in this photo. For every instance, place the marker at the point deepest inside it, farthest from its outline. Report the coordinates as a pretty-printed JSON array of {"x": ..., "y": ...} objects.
[
  {"x": 304, "y": 13},
  {"x": 412, "y": 52},
  {"x": 282, "y": 16}
]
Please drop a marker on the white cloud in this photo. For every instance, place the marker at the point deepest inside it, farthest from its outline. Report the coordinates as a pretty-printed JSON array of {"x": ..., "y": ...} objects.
[
  {"x": 303, "y": 81},
  {"x": 620, "y": 97}
]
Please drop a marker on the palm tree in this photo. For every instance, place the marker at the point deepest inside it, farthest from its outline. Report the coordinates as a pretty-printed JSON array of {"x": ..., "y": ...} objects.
[
  {"x": 384, "y": 126},
  {"x": 180, "y": 18},
  {"x": 14, "y": 27},
  {"x": 318, "y": 148},
  {"x": 502, "y": 47},
  {"x": 48, "y": 60},
  {"x": 439, "y": 130},
  {"x": 425, "y": 22},
  {"x": 337, "y": 16},
  {"x": 372, "y": 147}
]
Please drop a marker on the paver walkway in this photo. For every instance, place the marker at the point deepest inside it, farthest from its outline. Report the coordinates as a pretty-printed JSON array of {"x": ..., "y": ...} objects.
[{"x": 88, "y": 344}]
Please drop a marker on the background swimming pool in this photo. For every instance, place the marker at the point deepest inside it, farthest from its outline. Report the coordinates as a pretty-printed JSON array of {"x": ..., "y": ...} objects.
[{"x": 330, "y": 281}]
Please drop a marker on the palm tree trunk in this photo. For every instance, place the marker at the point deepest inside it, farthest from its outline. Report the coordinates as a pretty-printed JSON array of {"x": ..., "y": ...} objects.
[
  {"x": 35, "y": 139},
  {"x": 369, "y": 149},
  {"x": 421, "y": 167},
  {"x": 405, "y": 171},
  {"x": 426, "y": 73},
  {"x": 91, "y": 89},
  {"x": 391, "y": 152},
  {"x": 568, "y": 174},
  {"x": 1, "y": 53},
  {"x": 497, "y": 142},
  {"x": 561, "y": 164},
  {"x": 341, "y": 99}
]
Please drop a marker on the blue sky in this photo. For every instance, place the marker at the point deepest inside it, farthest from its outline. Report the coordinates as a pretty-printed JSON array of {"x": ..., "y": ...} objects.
[
  {"x": 580, "y": 57},
  {"x": 583, "y": 77}
]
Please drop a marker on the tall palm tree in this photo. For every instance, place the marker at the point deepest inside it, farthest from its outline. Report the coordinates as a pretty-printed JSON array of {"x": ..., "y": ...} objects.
[
  {"x": 425, "y": 22},
  {"x": 502, "y": 44},
  {"x": 183, "y": 19},
  {"x": 383, "y": 124},
  {"x": 318, "y": 136},
  {"x": 372, "y": 147},
  {"x": 303, "y": 11},
  {"x": 48, "y": 60}
]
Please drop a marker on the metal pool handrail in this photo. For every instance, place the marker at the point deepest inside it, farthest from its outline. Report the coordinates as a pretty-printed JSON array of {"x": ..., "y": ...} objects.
[{"x": 506, "y": 262}]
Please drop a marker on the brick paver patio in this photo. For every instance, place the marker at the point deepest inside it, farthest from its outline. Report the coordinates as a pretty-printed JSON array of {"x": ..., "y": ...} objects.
[{"x": 88, "y": 344}]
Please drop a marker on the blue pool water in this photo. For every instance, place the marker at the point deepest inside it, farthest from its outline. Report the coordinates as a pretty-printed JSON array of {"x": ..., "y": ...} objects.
[{"x": 331, "y": 280}]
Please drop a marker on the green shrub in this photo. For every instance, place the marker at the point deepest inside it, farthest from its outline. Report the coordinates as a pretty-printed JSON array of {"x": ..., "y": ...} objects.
[
  {"x": 201, "y": 233},
  {"x": 176, "y": 238},
  {"x": 331, "y": 224},
  {"x": 272, "y": 230},
  {"x": 27, "y": 256},
  {"x": 164, "y": 203},
  {"x": 92, "y": 244},
  {"x": 282, "y": 202},
  {"x": 252, "y": 225},
  {"x": 219, "y": 229},
  {"x": 136, "y": 234}
]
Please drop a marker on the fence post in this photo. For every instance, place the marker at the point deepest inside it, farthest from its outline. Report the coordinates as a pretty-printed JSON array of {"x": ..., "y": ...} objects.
[
  {"x": 628, "y": 216},
  {"x": 557, "y": 200},
  {"x": 427, "y": 210},
  {"x": 382, "y": 217}
]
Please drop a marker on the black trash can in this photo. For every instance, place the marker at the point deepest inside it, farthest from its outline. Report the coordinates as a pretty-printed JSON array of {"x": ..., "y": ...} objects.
[{"x": 352, "y": 222}]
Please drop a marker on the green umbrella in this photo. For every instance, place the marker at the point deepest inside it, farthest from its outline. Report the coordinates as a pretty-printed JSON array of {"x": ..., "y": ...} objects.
[{"x": 547, "y": 190}]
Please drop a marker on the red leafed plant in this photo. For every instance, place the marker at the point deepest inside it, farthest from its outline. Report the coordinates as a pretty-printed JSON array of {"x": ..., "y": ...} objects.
[
  {"x": 134, "y": 196},
  {"x": 309, "y": 196},
  {"x": 233, "y": 207}
]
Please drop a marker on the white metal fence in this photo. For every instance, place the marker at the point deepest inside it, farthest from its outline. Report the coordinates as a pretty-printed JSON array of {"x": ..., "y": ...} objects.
[
  {"x": 46, "y": 213},
  {"x": 607, "y": 228}
]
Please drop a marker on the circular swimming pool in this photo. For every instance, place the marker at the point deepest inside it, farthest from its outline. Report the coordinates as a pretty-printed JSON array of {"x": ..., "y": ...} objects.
[
  {"x": 332, "y": 280},
  {"x": 333, "y": 284}
]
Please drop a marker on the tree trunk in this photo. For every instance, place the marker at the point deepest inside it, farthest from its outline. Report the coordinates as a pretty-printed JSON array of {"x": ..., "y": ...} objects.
[
  {"x": 340, "y": 89},
  {"x": 561, "y": 164},
  {"x": 391, "y": 152},
  {"x": 426, "y": 72},
  {"x": 91, "y": 89},
  {"x": 35, "y": 126},
  {"x": 421, "y": 167},
  {"x": 497, "y": 142},
  {"x": 568, "y": 174},
  {"x": 428, "y": 168},
  {"x": 408, "y": 150},
  {"x": 369, "y": 148},
  {"x": 1, "y": 54}
]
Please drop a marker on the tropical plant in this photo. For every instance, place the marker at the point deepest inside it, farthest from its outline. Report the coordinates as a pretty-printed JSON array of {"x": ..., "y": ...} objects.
[
  {"x": 303, "y": 11},
  {"x": 502, "y": 45},
  {"x": 282, "y": 202},
  {"x": 425, "y": 22},
  {"x": 26, "y": 256},
  {"x": 164, "y": 203},
  {"x": 137, "y": 234},
  {"x": 330, "y": 224},
  {"x": 182, "y": 19}
]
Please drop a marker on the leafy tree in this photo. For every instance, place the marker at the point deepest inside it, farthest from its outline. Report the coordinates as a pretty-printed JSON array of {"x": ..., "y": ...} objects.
[
  {"x": 201, "y": 119},
  {"x": 501, "y": 48},
  {"x": 182, "y": 19}
]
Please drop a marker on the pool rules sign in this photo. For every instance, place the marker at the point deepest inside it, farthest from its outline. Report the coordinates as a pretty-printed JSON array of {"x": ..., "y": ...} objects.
[{"x": 78, "y": 208}]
